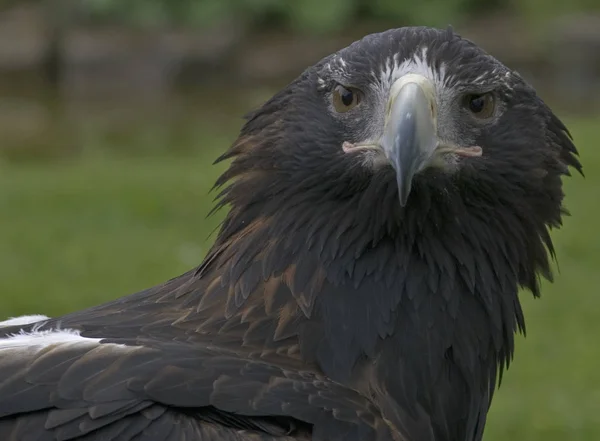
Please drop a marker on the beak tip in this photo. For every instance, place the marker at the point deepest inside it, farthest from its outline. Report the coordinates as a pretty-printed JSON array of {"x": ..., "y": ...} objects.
[
  {"x": 403, "y": 200},
  {"x": 404, "y": 190}
]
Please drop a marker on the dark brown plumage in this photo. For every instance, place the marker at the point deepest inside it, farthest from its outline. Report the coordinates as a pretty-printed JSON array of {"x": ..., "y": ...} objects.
[{"x": 328, "y": 308}]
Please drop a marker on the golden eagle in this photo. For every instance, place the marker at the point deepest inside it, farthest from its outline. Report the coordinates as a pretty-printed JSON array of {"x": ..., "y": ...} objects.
[{"x": 384, "y": 210}]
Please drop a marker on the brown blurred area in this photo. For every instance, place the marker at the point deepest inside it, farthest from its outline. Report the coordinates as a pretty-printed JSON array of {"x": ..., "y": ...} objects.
[{"x": 63, "y": 62}]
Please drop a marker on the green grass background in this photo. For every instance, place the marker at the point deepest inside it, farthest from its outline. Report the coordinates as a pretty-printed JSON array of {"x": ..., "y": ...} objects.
[{"x": 73, "y": 234}]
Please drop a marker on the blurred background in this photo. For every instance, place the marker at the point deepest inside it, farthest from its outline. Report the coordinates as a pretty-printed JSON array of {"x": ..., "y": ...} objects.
[{"x": 112, "y": 111}]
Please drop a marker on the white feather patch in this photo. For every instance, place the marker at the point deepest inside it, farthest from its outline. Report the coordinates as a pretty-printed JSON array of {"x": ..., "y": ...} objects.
[
  {"x": 23, "y": 320},
  {"x": 41, "y": 339},
  {"x": 394, "y": 69}
]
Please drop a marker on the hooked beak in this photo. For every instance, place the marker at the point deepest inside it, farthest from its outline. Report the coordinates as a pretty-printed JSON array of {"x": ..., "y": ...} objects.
[{"x": 410, "y": 134}]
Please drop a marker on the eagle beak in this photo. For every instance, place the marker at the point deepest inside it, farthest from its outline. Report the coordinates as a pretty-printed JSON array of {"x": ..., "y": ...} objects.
[{"x": 410, "y": 138}]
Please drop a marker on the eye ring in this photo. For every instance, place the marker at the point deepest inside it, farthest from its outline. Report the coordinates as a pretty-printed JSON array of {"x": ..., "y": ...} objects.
[
  {"x": 480, "y": 105},
  {"x": 345, "y": 98}
]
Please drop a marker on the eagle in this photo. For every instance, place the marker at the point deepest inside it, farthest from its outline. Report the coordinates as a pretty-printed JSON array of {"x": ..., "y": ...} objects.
[{"x": 384, "y": 210}]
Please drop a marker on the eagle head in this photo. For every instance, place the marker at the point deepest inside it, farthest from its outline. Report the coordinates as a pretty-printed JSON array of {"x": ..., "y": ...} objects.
[{"x": 417, "y": 112}]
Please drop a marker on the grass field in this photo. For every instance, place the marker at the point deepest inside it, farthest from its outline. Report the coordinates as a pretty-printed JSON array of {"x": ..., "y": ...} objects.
[{"x": 79, "y": 233}]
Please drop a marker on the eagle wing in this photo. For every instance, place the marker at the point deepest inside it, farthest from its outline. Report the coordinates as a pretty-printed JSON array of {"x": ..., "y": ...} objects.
[{"x": 88, "y": 376}]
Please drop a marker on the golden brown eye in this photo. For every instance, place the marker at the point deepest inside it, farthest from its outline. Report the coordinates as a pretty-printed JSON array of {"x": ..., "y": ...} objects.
[
  {"x": 482, "y": 106},
  {"x": 345, "y": 98}
]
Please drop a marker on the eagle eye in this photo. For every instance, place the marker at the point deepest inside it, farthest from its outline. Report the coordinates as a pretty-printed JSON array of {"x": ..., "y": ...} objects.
[
  {"x": 345, "y": 98},
  {"x": 480, "y": 105}
]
